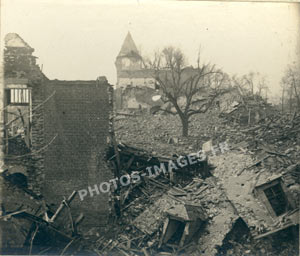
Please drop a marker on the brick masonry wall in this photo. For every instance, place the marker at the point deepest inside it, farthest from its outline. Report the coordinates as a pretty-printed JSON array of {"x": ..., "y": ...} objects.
[
  {"x": 78, "y": 114},
  {"x": 36, "y": 171}
]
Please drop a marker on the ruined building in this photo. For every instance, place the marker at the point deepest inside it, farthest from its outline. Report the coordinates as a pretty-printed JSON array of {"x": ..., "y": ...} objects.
[
  {"x": 131, "y": 70},
  {"x": 135, "y": 82},
  {"x": 56, "y": 136}
]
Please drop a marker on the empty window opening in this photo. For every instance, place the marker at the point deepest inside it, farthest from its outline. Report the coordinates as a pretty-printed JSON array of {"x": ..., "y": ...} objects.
[
  {"x": 277, "y": 199},
  {"x": 18, "y": 96},
  {"x": 175, "y": 232}
]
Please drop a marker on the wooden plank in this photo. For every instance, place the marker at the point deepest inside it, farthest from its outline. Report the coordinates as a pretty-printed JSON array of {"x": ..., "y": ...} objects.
[
  {"x": 42, "y": 221},
  {"x": 11, "y": 214},
  {"x": 273, "y": 231},
  {"x": 129, "y": 163}
]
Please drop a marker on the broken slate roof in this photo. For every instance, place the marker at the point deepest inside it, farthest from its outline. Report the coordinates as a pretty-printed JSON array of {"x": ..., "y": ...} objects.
[
  {"x": 221, "y": 213},
  {"x": 239, "y": 182},
  {"x": 205, "y": 195},
  {"x": 153, "y": 217},
  {"x": 265, "y": 177}
]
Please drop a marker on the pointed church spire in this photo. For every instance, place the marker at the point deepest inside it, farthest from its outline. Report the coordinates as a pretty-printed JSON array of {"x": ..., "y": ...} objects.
[{"x": 128, "y": 47}]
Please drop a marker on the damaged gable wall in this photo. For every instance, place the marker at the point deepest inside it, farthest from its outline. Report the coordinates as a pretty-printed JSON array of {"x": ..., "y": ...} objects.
[
  {"x": 69, "y": 125},
  {"x": 20, "y": 69}
]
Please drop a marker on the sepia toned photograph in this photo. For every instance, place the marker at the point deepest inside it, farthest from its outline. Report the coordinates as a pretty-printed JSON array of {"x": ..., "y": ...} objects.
[{"x": 149, "y": 127}]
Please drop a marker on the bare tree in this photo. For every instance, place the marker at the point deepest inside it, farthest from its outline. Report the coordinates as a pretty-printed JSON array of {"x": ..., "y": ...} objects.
[
  {"x": 262, "y": 87},
  {"x": 249, "y": 81},
  {"x": 283, "y": 89},
  {"x": 251, "y": 84},
  {"x": 291, "y": 84},
  {"x": 189, "y": 90}
]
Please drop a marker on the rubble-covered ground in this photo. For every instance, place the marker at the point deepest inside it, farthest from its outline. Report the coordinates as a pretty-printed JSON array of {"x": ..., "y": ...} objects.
[
  {"x": 232, "y": 217},
  {"x": 161, "y": 133},
  {"x": 268, "y": 147}
]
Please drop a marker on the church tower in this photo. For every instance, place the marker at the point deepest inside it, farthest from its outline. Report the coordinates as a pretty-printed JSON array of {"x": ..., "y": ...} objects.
[
  {"x": 130, "y": 69},
  {"x": 128, "y": 57}
]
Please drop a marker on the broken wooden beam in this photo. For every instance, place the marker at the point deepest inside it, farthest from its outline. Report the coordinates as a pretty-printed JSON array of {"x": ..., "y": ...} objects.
[
  {"x": 62, "y": 205},
  {"x": 273, "y": 231}
]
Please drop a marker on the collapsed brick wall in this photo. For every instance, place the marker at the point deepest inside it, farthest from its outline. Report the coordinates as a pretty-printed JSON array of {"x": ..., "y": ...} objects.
[{"x": 78, "y": 115}]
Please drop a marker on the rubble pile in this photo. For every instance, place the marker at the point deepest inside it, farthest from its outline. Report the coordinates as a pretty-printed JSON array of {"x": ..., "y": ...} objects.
[
  {"x": 37, "y": 227},
  {"x": 160, "y": 134},
  {"x": 239, "y": 176},
  {"x": 144, "y": 234},
  {"x": 221, "y": 214},
  {"x": 276, "y": 135},
  {"x": 195, "y": 209},
  {"x": 142, "y": 207},
  {"x": 239, "y": 187},
  {"x": 262, "y": 151}
]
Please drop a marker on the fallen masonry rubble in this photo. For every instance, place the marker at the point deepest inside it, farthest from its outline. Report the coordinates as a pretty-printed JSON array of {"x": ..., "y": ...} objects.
[
  {"x": 217, "y": 208},
  {"x": 202, "y": 215},
  {"x": 38, "y": 228},
  {"x": 127, "y": 160},
  {"x": 216, "y": 205},
  {"x": 259, "y": 176}
]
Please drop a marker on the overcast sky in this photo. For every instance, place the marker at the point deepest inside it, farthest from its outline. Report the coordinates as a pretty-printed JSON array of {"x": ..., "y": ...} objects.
[{"x": 79, "y": 39}]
